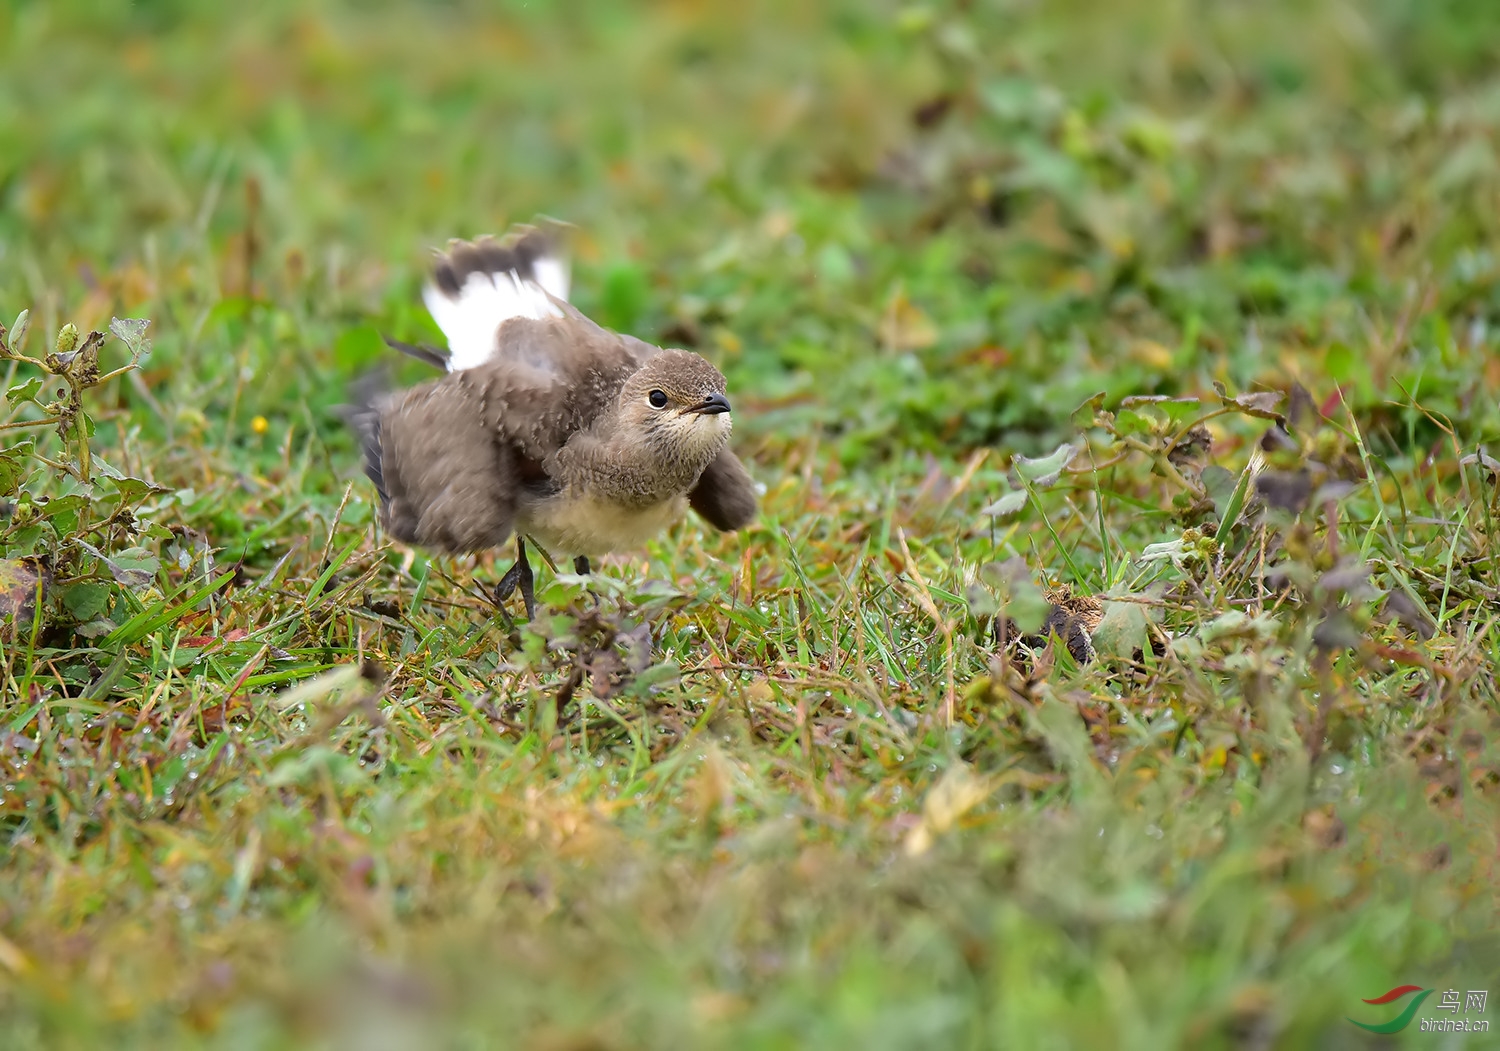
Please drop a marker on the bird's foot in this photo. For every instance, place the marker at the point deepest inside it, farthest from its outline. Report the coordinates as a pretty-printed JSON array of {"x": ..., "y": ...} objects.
[
  {"x": 518, "y": 576},
  {"x": 581, "y": 567}
]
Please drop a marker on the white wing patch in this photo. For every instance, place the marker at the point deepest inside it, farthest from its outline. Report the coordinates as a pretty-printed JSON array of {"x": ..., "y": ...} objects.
[
  {"x": 472, "y": 318},
  {"x": 552, "y": 274}
]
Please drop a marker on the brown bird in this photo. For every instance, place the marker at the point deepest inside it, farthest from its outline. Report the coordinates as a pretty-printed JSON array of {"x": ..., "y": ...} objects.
[{"x": 546, "y": 425}]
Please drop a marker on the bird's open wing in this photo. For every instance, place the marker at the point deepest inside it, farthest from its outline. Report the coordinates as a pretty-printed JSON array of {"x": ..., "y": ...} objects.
[
  {"x": 477, "y": 286},
  {"x": 725, "y": 494},
  {"x": 443, "y": 481},
  {"x": 549, "y": 379}
]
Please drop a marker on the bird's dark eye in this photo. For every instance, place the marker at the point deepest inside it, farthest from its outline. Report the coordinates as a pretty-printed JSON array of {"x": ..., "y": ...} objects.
[{"x": 658, "y": 399}]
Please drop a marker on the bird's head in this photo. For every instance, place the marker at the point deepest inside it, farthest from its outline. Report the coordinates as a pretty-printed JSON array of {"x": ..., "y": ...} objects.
[{"x": 675, "y": 404}]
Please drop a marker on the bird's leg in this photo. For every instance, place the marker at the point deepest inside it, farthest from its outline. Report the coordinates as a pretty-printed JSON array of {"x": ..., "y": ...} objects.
[
  {"x": 581, "y": 567},
  {"x": 518, "y": 575},
  {"x": 528, "y": 588}
]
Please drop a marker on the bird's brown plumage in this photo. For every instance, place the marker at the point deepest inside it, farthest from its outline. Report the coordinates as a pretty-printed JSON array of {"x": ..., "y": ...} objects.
[{"x": 552, "y": 433}]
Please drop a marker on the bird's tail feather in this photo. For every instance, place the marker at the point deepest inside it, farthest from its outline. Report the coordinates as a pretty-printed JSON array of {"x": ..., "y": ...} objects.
[{"x": 362, "y": 414}]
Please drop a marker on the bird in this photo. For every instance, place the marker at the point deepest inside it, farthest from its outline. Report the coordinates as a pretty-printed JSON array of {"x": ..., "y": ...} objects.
[{"x": 545, "y": 425}]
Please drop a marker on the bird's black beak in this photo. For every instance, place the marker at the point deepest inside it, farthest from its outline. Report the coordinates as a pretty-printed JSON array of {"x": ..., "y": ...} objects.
[{"x": 711, "y": 405}]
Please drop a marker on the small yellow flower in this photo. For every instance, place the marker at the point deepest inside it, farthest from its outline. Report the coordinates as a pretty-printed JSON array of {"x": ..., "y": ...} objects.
[{"x": 260, "y": 425}]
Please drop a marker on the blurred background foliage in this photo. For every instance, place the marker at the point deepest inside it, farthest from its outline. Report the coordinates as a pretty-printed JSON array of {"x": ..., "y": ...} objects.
[{"x": 963, "y": 218}]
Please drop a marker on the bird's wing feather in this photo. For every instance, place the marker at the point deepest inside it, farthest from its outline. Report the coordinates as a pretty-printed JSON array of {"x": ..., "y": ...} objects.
[
  {"x": 478, "y": 285},
  {"x": 638, "y": 349},
  {"x": 434, "y": 356},
  {"x": 550, "y": 379},
  {"x": 444, "y": 482},
  {"x": 725, "y": 493}
]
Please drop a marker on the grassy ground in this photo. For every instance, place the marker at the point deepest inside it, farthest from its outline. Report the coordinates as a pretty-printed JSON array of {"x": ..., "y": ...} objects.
[{"x": 271, "y": 780}]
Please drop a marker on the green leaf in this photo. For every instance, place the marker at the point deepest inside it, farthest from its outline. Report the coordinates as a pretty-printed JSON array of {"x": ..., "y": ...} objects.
[
  {"x": 24, "y": 392},
  {"x": 227, "y": 314},
  {"x": 333, "y": 567},
  {"x": 169, "y": 774},
  {"x": 1173, "y": 409},
  {"x": 1124, "y": 628},
  {"x": 103, "y": 469},
  {"x": 14, "y": 467},
  {"x": 111, "y": 676},
  {"x": 18, "y": 331},
  {"x": 135, "y": 568},
  {"x": 1087, "y": 413},
  {"x": 63, "y": 512},
  {"x": 1008, "y": 504},
  {"x": 834, "y": 265},
  {"x": 1232, "y": 507},
  {"x": 1136, "y": 421},
  {"x": 96, "y": 628},
  {"x": 1018, "y": 100},
  {"x": 1044, "y": 471},
  {"x": 159, "y": 614},
  {"x": 656, "y": 677},
  {"x": 1262, "y": 404},
  {"x": 86, "y": 600},
  {"x": 132, "y": 490},
  {"x": 28, "y": 538},
  {"x": 1219, "y": 484}
]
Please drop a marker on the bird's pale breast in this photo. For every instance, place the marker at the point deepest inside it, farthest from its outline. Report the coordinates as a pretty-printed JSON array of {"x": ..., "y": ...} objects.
[{"x": 586, "y": 524}]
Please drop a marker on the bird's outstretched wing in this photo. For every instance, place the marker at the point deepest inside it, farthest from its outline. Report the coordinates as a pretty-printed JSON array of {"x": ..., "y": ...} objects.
[
  {"x": 549, "y": 379},
  {"x": 476, "y": 286},
  {"x": 725, "y": 494},
  {"x": 443, "y": 481}
]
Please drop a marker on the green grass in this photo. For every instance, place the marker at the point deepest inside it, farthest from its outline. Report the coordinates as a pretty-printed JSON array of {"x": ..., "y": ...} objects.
[{"x": 271, "y": 780}]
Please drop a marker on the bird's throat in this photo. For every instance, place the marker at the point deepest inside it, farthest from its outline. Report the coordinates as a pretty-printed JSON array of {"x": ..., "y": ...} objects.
[{"x": 641, "y": 474}]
